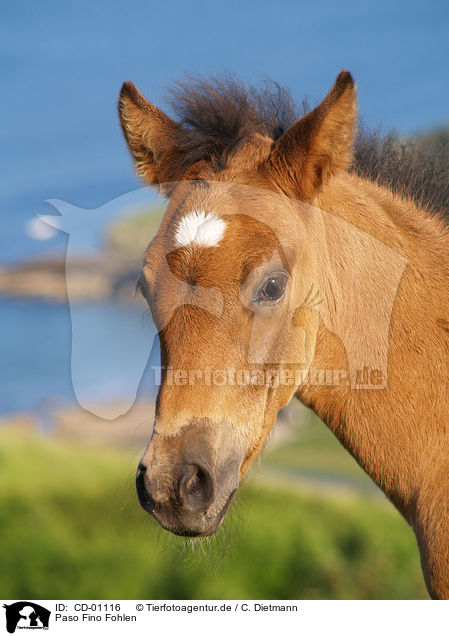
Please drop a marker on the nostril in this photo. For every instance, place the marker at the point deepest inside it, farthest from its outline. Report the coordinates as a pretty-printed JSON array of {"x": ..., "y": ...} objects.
[
  {"x": 196, "y": 488},
  {"x": 144, "y": 497}
]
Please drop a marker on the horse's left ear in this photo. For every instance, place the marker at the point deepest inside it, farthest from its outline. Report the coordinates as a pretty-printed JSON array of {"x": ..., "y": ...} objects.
[
  {"x": 319, "y": 144},
  {"x": 151, "y": 136}
]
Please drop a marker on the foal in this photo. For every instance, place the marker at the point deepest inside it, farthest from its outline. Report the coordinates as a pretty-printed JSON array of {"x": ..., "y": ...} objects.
[{"x": 277, "y": 255}]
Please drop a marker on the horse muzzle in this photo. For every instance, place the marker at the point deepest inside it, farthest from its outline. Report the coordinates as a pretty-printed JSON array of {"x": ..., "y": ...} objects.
[{"x": 188, "y": 481}]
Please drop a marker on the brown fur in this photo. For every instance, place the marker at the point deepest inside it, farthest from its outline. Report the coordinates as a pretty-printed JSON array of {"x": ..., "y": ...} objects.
[{"x": 397, "y": 433}]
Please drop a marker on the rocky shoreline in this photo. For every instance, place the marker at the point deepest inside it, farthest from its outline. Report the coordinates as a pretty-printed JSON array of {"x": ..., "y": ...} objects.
[{"x": 100, "y": 278}]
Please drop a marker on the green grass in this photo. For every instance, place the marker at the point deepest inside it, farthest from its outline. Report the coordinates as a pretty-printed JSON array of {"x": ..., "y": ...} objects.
[
  {"x": 313, "y": 452},
  {"x": 70, "y": 527}
]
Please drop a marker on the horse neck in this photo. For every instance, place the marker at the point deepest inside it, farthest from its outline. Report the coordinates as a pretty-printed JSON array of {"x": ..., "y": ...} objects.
[{"x": 383, "y": 281}]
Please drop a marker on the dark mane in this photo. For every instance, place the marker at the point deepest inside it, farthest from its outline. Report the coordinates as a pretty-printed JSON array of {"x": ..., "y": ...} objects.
[
  {"x": 219, "y": 113},
  {"x": 415, "y": 167}
]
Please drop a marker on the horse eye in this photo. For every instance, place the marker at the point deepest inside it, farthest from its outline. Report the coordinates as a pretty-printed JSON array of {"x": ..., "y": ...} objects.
[{"x": 273, "y": 288}]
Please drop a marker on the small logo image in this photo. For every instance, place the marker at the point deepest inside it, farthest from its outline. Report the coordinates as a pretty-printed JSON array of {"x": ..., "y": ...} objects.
[{"x": 26, "y": 615}]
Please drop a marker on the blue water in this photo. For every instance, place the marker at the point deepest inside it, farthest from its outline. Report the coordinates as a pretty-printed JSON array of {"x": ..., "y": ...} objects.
[
  {"x": 62, "y": 65},
  {"x": 35, "y": 353}
]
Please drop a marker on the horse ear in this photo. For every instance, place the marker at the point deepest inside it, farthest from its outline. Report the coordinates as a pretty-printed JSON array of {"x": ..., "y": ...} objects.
[
  {"x": 319, "y": 144},
  {"x": 151, "y": 137}
]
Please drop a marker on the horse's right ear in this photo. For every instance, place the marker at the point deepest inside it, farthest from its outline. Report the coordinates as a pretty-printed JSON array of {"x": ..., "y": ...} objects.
[{"x": 151, "y": 137}]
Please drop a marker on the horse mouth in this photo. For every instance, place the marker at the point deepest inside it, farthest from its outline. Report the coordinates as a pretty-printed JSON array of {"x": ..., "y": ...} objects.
[{"x": 188, "y": 534}]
